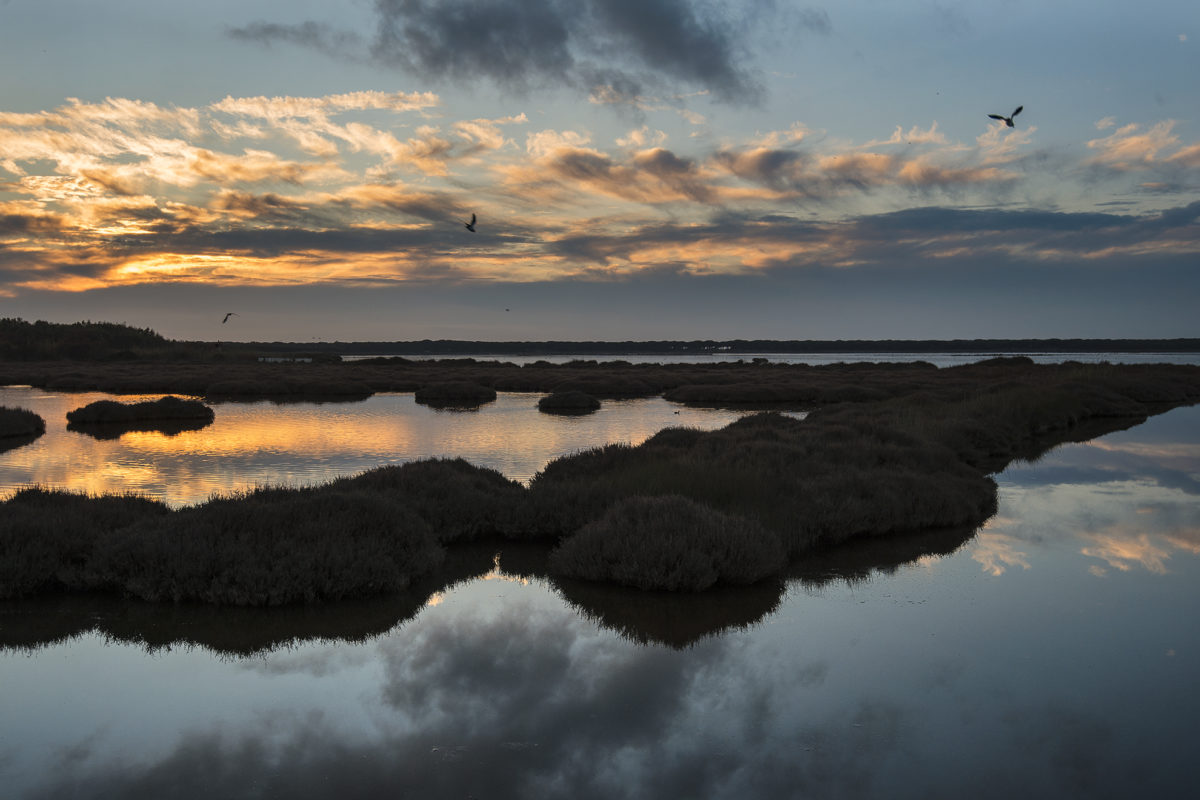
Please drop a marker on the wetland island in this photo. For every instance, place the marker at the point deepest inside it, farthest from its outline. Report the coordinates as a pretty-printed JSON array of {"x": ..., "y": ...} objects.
[{"x": 836, "y": 454}]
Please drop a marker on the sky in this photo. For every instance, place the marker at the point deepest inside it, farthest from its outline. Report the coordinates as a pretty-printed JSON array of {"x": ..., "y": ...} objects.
[{"x": 658, "y": 169}]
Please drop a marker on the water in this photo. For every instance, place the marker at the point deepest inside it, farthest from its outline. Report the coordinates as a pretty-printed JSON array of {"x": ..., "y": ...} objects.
[
  {"x": 1052, "y": 653},
  {"x": 265, "y": 443},
  {"x": 819, "y": 359}
]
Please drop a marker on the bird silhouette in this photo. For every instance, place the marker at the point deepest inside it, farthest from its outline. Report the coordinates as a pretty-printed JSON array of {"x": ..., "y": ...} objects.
[
  {"x": 1009, "y": 119},
  {"x": 470, "y": 225},
  {"x": 228, "y": 315}
]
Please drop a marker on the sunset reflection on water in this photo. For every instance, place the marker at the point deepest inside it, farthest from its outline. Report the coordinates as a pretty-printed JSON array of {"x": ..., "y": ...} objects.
[
  {"x": 264, "y": 443},
  {"x": 1125, "y": 502}
]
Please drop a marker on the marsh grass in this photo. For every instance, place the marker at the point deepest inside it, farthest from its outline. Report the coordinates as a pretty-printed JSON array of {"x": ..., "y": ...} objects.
[
  {"x": 806, "y": 483},
  {"x": 460, "y": 501},
  {"x": 571, "y": 401},
  {"x": 454, "y": 394},
  {"x": 20, "y": 422},
  {"x": 669, "y": 542},
  {"x": 271, "y": 547},
  {"x": 48, "y": 537},
  {"x": 168, "y": 408},
  {"x": 684, "y": 510},
  {"x": 109, "y": 419}
]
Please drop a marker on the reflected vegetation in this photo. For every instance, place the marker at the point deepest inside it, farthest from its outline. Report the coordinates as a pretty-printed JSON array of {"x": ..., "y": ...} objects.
[
  {"x": 19, "y": 427},
  {"x": 115, "y": 430},
  {"x": 13, "y": 442},
  {"x": 856, "y": 562},
  {"x": 671, "y": 619},
  {"x": 229, "y": 630}
]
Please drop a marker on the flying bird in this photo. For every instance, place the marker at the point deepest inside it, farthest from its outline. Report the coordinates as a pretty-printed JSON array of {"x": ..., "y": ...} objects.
[
  {"x": 1009, "y": 119},
  {"x": 470, "y": 225},
  {"x": 228, "y": 315}
]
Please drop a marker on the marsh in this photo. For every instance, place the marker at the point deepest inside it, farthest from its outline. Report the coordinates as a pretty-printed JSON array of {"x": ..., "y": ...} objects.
[{"x": 871, "y": 651}]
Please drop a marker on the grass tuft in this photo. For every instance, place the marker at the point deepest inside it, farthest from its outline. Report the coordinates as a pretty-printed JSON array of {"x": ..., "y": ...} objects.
[{"x": 669, "y": 542}]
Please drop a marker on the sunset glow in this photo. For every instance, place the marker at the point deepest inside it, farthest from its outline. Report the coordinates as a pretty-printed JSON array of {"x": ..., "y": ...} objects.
[{"x": 339, "y": 161}]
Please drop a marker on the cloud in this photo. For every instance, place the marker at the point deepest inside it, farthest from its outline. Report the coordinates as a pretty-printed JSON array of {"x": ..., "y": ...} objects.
[
  {"x": 642, "y": 137},
  {"x": 914, "y": 136},
  {"x": 1129, "y": 147},
  {"x": 617, "y": 48},
  {"x": 277, "y": 108},
  {"x": 316, "y": 35}
]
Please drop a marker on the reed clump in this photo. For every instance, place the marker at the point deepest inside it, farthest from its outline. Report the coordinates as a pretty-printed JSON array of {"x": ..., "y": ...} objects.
[
  {"x": 271, "y": 547},
  {"x": 669, "y": 542},
  {"x": 166, "y": 408},
  {"x": 20, "y": 422},
  {"x": 460, "y": 501},
  {"x": 48, "y": 537},
  {"x": 571, "y": 401},
  {"x": 807, "y": 483},
  {"x": 455, "y": 394}
]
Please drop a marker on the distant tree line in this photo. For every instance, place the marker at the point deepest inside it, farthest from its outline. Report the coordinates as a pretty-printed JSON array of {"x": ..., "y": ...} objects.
[
  {"x": 107, "y": 341},
  {"x": 85, "y": 341}
]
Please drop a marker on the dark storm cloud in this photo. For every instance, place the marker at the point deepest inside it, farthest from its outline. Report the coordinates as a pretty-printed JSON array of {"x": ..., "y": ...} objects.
[
  {"x": 547, "y": 42},
  {"x": 624, "y": 46}
]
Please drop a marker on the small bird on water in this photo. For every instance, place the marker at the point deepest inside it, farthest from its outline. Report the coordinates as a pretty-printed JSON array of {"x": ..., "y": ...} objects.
[
  {"x": 228, "y": 315},
  {"x": 470, "y": 225},
  {"x": 1009, "y": 119}
]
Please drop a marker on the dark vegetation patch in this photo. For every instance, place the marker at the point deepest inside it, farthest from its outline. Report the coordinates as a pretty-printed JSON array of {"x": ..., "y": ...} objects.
[
  {"x": 572, "y": 401},
  {"x": 165, "y": 408},
  {"x": 49, "y": 538},
  {"x": 852, "y": 470},
  {"x": 109, "y": 419},
  {"x": 20, "y": 422},
  {"x": 462, "y": 502},
  {"x": 669, "y": 542},
  {"x": 271, "y": 547},
  {"x": 807, "y": 483},
  {"x": 48, "y": 619},
  {"x": 455, "y": 394}
]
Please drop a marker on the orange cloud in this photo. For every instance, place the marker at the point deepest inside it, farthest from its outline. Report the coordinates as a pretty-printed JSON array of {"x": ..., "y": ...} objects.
[{"x": 1130, "y": 148}]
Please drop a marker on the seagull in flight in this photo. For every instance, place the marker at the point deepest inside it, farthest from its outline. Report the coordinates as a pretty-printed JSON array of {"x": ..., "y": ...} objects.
[
  {"x": 470, "y": 225},
  {"x": 228, "y": 315},
  {"x": 1009, "y": 119}
]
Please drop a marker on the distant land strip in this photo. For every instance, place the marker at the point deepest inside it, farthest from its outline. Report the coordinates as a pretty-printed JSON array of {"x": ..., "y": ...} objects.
[
  {"x": 107, "y": 341},
  {"x": 442, "y": 347}
]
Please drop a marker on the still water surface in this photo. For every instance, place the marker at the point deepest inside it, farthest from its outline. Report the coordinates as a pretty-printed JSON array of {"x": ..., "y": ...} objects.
[
  {"x": 265, "y": 443},
  {"x": 820, "y": 359},
  {"x": 1052, "y": 653}
]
